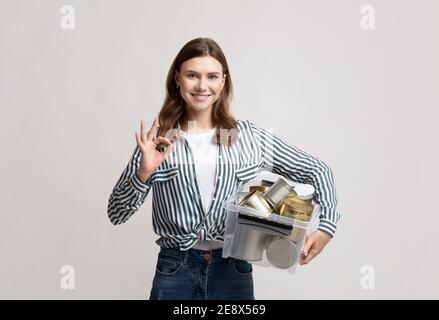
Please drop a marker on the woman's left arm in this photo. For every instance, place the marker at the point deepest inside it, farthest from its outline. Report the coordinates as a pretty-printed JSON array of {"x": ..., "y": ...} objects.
[{"x": 296, "y": 165}]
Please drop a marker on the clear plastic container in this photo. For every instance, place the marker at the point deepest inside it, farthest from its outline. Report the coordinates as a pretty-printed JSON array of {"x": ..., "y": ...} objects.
[{"x": 271, "y": 241}]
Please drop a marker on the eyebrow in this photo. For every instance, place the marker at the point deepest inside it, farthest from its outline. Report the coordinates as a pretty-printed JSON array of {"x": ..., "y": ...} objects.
[{"x": 187, "y": 71}]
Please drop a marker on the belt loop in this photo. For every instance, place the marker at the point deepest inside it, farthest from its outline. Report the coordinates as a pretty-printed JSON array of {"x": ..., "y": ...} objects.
[{"x": 185, "y": 257}]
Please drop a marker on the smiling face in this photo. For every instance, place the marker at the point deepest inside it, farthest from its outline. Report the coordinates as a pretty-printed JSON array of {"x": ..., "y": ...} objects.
[{"x": 201, "y": 80}]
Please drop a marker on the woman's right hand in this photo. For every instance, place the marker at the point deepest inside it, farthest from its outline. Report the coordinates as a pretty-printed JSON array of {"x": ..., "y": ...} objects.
[{"x": 151, "y": 158}]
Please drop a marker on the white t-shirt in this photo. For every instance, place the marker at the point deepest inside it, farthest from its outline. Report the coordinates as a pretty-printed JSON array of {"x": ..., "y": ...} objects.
[
  {"x": 205, "y": 158},
  {"x": 205, "y": 152}
]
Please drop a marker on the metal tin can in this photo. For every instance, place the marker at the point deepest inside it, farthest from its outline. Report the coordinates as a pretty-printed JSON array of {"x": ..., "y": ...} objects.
[
  {"x": 259, "y": 188},
  {"x": 266, "y": 183},
  {"x": 173, "y": 136},
  {"x": 299, "y": 209},
  {"x": 249, "y": 243},
  {"x": 289, "y": 195},
  {"x": 282, "y": 252},
  {"x": 295, "y": 207},
  {"x": 277, "y": 193},
  {"x": 240, "y": 196},
  {"x": 256, "y": 200}
]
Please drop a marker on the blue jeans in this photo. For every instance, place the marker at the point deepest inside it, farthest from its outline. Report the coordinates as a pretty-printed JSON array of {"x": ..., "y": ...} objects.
[{"x": 201, "y": 275}]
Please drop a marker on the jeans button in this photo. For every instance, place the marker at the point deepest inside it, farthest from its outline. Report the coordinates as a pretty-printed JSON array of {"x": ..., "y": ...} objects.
[{"x": 206, "y": 256}]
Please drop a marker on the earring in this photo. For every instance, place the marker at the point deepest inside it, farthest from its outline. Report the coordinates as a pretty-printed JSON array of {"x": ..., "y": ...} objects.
[{"x": 177, "y": 86}]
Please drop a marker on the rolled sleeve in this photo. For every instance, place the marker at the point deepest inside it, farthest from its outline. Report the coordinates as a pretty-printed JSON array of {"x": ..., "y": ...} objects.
[
  {"x": 139, "y": 185},
  {"x": 282, "y": 158},
  {"x": 129, "y": 193}
]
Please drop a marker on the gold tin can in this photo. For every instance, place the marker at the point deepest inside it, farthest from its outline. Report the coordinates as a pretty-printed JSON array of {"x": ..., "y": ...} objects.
[
  {"x": 241, "y": 196},
  {"x": 256, "y": 200},
  {"x": 289, "y": 195},
  {"x": 299, "y": 209},
  {"x": 293, "y": 206},
  {"x": 259, "y": 188}
]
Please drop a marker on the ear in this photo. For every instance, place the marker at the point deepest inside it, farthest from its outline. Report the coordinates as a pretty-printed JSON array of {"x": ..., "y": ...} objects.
[
  {"x": 224, "y": 81},
  {"x": 176, "y": 76}
]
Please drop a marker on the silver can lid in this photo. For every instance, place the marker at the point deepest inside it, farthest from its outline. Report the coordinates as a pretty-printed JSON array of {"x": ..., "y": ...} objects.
[{"x": 282, "y": 253}]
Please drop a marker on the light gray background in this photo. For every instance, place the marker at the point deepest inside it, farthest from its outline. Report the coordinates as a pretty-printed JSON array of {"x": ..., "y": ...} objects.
[{"x": 363, "y": 101}]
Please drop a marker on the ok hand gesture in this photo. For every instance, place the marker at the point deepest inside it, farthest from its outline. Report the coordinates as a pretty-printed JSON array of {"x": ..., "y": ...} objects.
[{"x": 151, "y": 158}]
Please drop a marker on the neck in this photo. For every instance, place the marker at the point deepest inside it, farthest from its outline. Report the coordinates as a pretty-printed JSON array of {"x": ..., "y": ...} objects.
[{"x": 197, "y": 122}]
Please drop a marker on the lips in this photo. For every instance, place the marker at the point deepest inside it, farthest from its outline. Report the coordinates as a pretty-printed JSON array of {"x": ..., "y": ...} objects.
[{"x": 200, "y": 97}]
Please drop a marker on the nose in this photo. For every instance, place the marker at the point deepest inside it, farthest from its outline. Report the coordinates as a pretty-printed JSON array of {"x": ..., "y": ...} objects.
[{"x": 201, "y": 85}]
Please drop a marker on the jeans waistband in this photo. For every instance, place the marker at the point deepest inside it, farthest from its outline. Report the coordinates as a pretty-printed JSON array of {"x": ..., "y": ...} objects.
[{"x": 196, "y": 254}]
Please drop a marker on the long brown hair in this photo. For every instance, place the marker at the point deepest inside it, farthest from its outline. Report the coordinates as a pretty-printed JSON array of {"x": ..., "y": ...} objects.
[{"x": 173, "y": 109}]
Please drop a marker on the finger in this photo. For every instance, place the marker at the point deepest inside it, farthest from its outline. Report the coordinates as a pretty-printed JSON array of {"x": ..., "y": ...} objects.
[
  {"x": 161, "y": 139},
  {"x": 305, "y": 240},
  {"x": 168, "y": 150},
  {"x": 142, "y": 132},
  {"x": 154, "y": 126},
  {"x": 309, "y": 243},
  {"x": 305, "y": 260},
  {"x": 139, "y": 142},
  {"x": 302, "y": 260},
  {"x": 311, "y": 255}
]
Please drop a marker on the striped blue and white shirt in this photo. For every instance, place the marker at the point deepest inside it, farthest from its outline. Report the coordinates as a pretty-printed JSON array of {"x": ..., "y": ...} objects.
[{"x": 177, "y": 213}]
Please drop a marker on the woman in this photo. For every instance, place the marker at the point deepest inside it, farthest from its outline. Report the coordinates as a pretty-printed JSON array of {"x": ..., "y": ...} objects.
[{"x": 198, "y": 171}]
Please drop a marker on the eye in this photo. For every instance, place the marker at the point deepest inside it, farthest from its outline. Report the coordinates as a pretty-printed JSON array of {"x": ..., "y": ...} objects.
[
  {"x": 213, "y": 77},
  {"x": 191, "y": 75}
]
